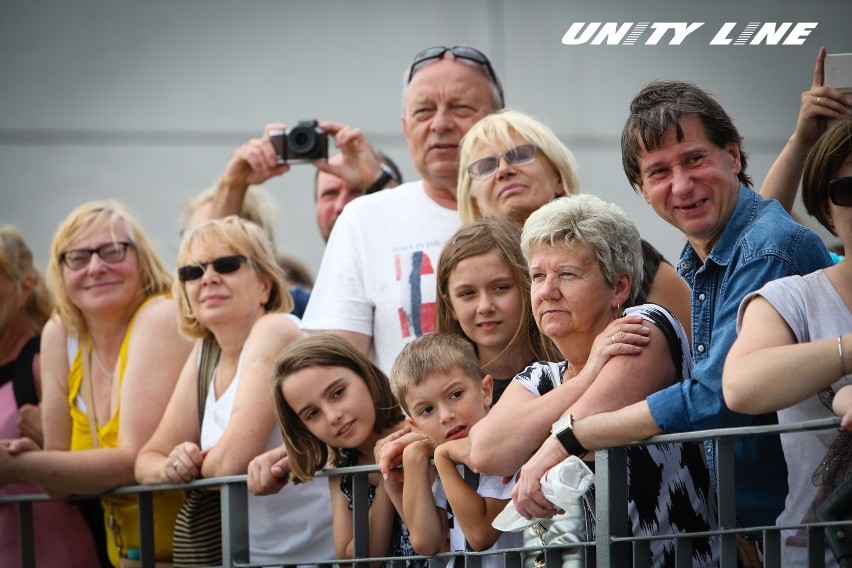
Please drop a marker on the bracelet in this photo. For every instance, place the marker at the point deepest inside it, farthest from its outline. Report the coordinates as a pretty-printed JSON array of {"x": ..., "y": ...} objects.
[{"x": 840, "y": 354}]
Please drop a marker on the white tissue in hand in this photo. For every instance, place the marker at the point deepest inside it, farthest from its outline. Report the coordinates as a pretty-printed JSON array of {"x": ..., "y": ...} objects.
[{"x": 563, "y": 485}]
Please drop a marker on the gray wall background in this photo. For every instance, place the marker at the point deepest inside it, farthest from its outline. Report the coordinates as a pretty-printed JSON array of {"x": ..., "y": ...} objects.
[{"x": 144, "y": 102}]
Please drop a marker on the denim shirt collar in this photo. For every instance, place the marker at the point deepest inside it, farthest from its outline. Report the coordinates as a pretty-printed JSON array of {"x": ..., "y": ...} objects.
[{"x": 743, "y": 214}]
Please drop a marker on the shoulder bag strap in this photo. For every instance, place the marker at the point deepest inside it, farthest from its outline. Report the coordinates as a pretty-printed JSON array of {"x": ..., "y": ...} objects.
[{"x": 210, "y": 352}]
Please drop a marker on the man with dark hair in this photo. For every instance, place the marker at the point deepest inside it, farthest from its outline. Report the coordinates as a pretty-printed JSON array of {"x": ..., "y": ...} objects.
[
  {"x": 683, "y": 154},
  {"x": 332, "y": 192}
]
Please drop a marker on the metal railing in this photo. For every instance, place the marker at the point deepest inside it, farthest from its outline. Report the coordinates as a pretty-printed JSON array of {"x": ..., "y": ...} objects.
[{"x": 612, "y": 547}]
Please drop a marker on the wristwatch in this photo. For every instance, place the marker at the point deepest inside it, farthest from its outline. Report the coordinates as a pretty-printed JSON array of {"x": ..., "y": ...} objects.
[
  {"x": 563, "y": 430},
  {"x": 381, "y": 182}
]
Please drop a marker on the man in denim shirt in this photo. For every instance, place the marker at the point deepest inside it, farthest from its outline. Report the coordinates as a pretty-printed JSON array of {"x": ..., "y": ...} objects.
[{"x": 683, "y": 154}]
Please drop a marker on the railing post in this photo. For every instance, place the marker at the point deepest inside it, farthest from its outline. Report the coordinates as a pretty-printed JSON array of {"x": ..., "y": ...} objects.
[
  {"x": 611, "y": 506},
  {"x": 235, "y": 526},
  {"x": 27, "y": 534},
  {"x": 726, "y": 493},
  {"x": 147, "y": 552},
  {"x": 361, "y": 515}
]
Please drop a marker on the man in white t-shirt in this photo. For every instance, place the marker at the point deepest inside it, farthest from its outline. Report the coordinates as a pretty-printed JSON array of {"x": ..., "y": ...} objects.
[{"x": 376, "y": 284}]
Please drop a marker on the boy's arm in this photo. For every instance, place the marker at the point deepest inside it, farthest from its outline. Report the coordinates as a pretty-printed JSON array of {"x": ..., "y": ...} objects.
[
  {"x": 473, "y": 512},
  {"x": 427, "y": 524}
]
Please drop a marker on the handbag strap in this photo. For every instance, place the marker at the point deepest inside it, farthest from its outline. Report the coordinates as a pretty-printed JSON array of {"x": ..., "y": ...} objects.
[{"x": 210, "y": 352}]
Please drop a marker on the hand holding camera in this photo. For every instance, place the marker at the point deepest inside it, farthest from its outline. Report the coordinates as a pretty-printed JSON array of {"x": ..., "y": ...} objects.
[{"x": 305, "y": 142}]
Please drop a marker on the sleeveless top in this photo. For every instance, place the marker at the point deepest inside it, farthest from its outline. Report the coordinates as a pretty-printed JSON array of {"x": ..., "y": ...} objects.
[
  {"x": 124, "y": 508},
  {"x": 291, "y": 525}
]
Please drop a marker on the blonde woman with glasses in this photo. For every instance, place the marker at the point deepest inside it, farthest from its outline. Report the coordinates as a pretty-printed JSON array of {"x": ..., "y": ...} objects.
[{"x": 103, "y": 397}]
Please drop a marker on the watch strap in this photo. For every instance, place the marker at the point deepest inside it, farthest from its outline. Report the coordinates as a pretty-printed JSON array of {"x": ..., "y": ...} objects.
[
  {"x": 570, "y": 442},
  {"x": 381, "y": 182}
]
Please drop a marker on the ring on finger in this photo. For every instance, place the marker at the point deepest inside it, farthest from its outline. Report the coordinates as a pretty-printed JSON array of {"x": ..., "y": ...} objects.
[
  {"x": 175, "y": 464},
  {"x": 612, "y": 339},
  {"x": 819, "y": 101}
]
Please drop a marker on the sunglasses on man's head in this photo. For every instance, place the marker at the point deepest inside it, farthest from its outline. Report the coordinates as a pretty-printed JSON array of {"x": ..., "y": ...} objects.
[
  {"x": 517, "y": 156},
  {"x": 459, "y": 52},
  {"x": 222, "y": 265},
  {"x": 840, "y": 191}
]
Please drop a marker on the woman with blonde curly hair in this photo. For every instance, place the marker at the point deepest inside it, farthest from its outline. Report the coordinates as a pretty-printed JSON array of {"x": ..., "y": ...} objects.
[
  {"x": 233, "y": 300},
  {"x": 102, "y": 397}
]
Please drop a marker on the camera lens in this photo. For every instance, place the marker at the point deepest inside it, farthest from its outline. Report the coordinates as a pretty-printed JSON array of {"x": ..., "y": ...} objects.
[{"x": 302, "y": 140}]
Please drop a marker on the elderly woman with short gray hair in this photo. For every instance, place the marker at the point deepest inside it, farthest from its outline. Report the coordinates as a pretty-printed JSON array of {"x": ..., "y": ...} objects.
[{"x": 585, "y": 261}]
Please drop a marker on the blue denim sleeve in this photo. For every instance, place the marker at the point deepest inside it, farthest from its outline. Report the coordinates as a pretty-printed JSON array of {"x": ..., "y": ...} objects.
[{"x": 697, "y": 404}]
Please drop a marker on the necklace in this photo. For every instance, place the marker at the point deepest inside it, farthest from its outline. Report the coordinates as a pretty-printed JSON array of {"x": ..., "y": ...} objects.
[{"x": 100, "y": 364}]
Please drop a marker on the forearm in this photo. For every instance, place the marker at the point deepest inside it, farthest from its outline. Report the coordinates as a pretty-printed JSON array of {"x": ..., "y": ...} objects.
[
  {"x": 148, "y": 468},
  {"x": 86, "y": 472},
  {"x": 228, "y": 197},
  {"x": 421, "y": 513},
  {"x": 782, "y": 180},
  {"x": 611, "y": 429},
  {"x": 469, "y": 508},
  {"x": 501, "y": 442}
]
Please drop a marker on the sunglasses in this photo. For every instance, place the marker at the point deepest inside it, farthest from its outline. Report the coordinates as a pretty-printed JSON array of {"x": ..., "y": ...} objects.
[
  {"x": 110, "y": 253},
  {"x": 459, "y": 52},
  {"x": 517, "y": 156},
  {"x": 840, "y": 191},
  {"x": 222, "y": 265}
]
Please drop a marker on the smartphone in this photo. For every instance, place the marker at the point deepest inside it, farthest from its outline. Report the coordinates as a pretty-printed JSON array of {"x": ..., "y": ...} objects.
[{"x": 838, "y": 71}]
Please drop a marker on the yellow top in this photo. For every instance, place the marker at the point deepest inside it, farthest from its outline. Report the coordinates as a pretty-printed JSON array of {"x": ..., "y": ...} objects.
[{"x": 124, "y": 507}]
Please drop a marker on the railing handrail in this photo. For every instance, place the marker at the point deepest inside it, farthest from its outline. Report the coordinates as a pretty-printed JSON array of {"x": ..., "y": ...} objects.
[{"x": 610, "y": 473}]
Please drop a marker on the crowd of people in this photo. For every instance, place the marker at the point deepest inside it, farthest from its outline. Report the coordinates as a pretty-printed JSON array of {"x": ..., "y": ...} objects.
[{"x": 489, "y": 315}]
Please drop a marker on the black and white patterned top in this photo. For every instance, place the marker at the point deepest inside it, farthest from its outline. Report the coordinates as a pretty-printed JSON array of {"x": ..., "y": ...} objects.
[{"x": 669, "y": 488}]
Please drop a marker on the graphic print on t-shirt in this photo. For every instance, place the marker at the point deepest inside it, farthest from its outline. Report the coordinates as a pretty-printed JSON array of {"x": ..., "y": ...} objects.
[{"x": 416, "y": 277}]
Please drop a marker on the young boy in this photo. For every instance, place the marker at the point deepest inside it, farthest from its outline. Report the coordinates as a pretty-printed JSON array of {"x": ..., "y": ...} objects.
[{"x": 438, "y": 383}]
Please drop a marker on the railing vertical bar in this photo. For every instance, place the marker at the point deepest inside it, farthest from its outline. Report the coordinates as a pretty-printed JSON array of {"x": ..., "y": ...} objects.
[
  {"x": 771, "y": 549},
  {"x": 27, "y": 534},
  {"x": 642, "y": 554},
  {"x": 361, "y": 515},
  {"x": 147, "y": 551},
  {"x": 611, "y": 507},
  {"x": 726, "y": 493},
  {"x": 235, "y": 525},
  {"x": 816, "y": 547},
  {"x": 683, "y": 552}
]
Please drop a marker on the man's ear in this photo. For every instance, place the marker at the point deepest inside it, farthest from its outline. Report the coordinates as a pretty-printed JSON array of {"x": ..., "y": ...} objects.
[
  {"x": 487, "y": 386},
  {"x": 732, "y": 150}
]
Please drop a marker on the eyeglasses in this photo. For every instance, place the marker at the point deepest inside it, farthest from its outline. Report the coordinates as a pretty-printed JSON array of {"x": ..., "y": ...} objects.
[
  {"x": 459, "y": 52},
  {"x": 517, "y": 156},
  {"x": 222, "y": 265},
  {"x": 110, "y": 253},
  {"x": 840, "y": 191}
]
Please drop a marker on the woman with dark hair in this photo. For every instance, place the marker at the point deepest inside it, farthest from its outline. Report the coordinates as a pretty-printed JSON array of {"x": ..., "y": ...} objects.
[{"x": 794, "y": 348}]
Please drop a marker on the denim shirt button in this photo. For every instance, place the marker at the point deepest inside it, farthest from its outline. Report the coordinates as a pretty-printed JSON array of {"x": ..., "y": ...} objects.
[
  {"x": 701, "y": 296},
  {"x": 700, "y": 348}
]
